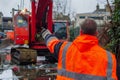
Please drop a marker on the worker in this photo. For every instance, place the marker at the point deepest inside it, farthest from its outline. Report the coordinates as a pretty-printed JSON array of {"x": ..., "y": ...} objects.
[
  {"x": 82, "y": 59},
  {"x": 8, "y": 58}
]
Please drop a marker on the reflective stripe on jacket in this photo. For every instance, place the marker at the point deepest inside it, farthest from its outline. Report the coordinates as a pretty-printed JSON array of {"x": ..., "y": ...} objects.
[{"x": 83, "y": 59}]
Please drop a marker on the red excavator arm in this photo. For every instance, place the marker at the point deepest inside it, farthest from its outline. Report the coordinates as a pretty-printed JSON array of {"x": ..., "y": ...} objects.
[{"x": 41, "y": 17}]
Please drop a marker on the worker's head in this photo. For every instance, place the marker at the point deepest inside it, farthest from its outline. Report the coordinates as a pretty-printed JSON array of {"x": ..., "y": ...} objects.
[{"x": 89, "y": 27}]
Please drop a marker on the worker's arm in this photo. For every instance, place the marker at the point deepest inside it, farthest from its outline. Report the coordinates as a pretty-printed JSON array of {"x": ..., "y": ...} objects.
[{"x": 52, "y": 42}]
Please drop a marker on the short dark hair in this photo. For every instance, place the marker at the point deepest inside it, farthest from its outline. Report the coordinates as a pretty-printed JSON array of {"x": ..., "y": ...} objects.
[{"x": 89, "y": 27}]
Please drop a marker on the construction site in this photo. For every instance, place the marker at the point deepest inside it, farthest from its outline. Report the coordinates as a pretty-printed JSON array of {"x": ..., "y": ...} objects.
[{"x": 23, "y": 52}]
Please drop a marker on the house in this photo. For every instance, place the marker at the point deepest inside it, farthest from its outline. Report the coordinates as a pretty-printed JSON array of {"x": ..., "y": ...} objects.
[
  {"x": 6, "y": 23},
  {"x": 99, "y": 15}
]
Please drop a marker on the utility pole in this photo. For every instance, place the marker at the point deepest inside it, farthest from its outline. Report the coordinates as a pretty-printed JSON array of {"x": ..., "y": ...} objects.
[
  {"x": 109, "y": 7},
  {"x": 22, "y": 4}
]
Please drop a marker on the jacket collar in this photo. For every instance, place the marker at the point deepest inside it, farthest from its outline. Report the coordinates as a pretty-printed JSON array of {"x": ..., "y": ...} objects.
[{"x": 85, "y": 42}]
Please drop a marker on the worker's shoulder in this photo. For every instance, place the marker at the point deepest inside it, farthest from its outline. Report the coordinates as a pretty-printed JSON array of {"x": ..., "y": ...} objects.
[
  {"x": 98, "y": 48},
  {"x": 101, "y": 49}
]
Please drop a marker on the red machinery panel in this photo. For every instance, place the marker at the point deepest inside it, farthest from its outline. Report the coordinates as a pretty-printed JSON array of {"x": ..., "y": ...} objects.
[{"x": 21, "y": 29}]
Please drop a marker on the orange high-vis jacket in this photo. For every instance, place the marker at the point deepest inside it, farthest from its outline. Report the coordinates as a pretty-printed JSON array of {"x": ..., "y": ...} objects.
[{"x": 82, "y": 59}]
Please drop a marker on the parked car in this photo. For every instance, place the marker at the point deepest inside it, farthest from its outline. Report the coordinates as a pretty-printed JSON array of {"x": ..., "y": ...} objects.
[{"x": 2, "y": 35}]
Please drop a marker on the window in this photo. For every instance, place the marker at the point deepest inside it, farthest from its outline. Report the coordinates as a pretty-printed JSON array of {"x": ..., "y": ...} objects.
[
  {"x": 60, "y": 30},
  {"x": 22, "y": 21},
  {"x": 109, "y": 17},
  {"x": 96, "y": 17},
  {"x": 82, "y": 17}
]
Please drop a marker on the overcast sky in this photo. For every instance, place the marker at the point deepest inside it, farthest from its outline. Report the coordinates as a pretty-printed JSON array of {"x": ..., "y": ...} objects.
[{"x": 78, "y": 6}]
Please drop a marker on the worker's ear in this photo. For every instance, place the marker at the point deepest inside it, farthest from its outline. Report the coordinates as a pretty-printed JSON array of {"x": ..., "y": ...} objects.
[
  {"x": 96, "y": 33},
  {"x": 81, "y": 32}
]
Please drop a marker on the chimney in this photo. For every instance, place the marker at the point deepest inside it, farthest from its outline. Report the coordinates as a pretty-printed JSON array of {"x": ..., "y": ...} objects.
[
  {"x": 107, "y": 8},
  {"x": 97, "y": 7}
]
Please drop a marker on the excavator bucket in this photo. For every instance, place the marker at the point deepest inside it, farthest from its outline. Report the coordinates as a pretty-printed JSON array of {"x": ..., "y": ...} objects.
[{"x": 23, "y": 56}]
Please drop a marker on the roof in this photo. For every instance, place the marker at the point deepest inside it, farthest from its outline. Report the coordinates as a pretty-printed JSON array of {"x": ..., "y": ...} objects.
[
  {"x": 100, "y": 11},
  {"x": 61, "y": 16},
  {"x": 93, "y": 14}
]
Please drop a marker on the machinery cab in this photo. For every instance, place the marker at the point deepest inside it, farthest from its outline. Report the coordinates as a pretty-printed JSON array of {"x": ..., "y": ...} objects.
[
  {"x": 61, "y": 29},
  {"x": 21, "y": 29}
]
